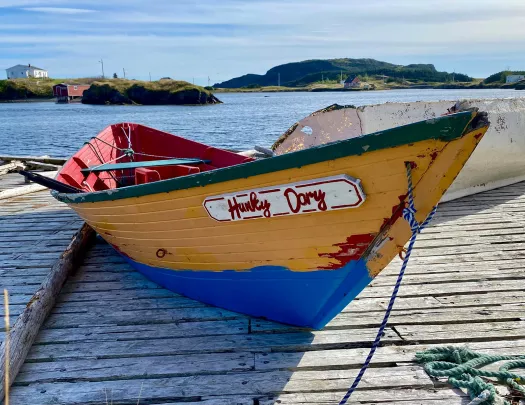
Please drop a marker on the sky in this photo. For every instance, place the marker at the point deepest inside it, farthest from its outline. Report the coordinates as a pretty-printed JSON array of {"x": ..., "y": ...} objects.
[{"x": 222, "y": 39}]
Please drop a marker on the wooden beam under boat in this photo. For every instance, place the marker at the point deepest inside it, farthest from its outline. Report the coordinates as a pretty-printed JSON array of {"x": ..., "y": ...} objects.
[
  {"x": 41, "y": 159},
  {"x": 12, "y": 166},
  {"x": 26, "y": 327}
]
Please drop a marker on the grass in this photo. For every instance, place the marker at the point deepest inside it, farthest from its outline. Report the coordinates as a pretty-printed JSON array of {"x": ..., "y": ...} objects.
[
  {"x": 273, "y": 89},
  {"x": 276, "y": 89},
  {"x": 25, "y": 88},
  {"x": 163, "y": 92},
  {"x": 174, "y": 86},
  {"x": 378, "y": 84},
  {"x": 19, "y": 89},
  {"x": 16, "y": 89}
]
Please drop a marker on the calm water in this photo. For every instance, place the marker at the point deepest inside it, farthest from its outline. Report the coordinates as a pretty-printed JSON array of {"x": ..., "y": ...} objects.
[{"x": 244, "y": 120}]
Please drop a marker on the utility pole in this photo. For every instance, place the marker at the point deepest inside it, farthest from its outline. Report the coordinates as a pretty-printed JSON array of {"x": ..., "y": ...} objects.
[
  {"x": 322, "y": 77},
  {"x": 208, "y": 81},
  {"x": 193, "y": 80},
  {"x": 124, "y": 71},
  {"x": 150, "y": 76},
  {"x": 341, "y": 79},
  {"x": 278, "y": 79},
  {"x": 102, "y": 62}
]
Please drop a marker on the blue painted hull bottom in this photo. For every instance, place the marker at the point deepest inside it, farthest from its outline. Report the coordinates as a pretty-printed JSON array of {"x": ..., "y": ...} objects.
[{"x": 307, "y": 299}]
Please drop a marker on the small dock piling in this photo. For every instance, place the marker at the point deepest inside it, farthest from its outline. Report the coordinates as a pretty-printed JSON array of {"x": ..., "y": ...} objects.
[{"x": 115, "y": 337}]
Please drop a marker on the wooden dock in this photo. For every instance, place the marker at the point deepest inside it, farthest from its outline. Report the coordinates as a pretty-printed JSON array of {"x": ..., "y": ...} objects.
[{"x": 116, "y": 338}]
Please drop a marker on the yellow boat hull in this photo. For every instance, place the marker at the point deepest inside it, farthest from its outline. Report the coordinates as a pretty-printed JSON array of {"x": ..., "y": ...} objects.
[{"x": 278, "y": 265}]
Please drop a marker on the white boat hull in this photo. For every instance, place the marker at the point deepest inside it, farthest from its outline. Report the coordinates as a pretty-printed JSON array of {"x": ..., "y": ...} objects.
[{"x": 499, "y": 159}]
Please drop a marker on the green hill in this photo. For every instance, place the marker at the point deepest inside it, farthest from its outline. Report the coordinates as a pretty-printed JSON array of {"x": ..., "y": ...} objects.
[
  {"x": 501, "y": 77},
  {"x": 31, "y": 88},
  {"x": 23, "y": 89},
  {"x": 110, "y": 91},
  {"x": 297, "y": 74}
]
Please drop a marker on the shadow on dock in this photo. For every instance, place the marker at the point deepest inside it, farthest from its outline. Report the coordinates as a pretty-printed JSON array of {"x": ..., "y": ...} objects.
[
  {"x": 115, "y": 337},
  {"x": 505, "y": 201}
]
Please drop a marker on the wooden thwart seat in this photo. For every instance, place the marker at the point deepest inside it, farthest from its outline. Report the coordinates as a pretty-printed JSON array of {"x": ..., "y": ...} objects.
[{"x": 148, "y": 163}]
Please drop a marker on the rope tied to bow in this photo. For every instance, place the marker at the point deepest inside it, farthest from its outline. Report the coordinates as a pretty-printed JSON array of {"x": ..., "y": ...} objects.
[{"x": 409, "y": 214}]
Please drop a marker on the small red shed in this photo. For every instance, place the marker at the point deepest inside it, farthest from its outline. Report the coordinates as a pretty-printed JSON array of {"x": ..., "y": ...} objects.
[{"x": 69, "y": 92}]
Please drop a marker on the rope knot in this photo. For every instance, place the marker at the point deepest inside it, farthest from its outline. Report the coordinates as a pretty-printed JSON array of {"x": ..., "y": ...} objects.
[
  {"x": 409, "y": 215},
  {"x": 409, "y": 212}
]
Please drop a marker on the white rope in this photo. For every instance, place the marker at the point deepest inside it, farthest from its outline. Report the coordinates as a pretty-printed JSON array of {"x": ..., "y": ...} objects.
[
  {"x": 107, "y": 143},
  {"x": 128, "y": 137},
  {"x": 84, "y": 182},
  {"x": 480, "y": 398},
  {"x": 109, "y": 161},
  {"x": 158, "y": 156}
]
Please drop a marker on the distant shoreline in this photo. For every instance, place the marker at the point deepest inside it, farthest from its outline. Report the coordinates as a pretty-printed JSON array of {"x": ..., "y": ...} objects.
[
  {"x": 340, "y": 90},
  {"x": 108, "y": 91},
  {"x": 29, "y": 100},
  {"x": 273, "y": 90}
]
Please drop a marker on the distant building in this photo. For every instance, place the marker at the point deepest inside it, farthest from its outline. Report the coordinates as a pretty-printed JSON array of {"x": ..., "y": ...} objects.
[
  {"x": 24, "y": 71},
  {"x": 514, "y": 78},
  {"x": 351, "y": 82},
  {"x": 66, "y": 93}
]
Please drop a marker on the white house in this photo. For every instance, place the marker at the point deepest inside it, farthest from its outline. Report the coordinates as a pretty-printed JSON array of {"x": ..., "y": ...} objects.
[
  {"x": 514, "y": 78},
  {"x": 21, "y": 71}
]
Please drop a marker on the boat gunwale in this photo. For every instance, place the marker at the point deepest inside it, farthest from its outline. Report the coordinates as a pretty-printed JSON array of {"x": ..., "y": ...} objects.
[{"x": 452, "y": 127}]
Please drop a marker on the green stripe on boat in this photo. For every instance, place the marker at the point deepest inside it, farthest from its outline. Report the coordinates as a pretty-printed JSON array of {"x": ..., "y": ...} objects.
[{"x": 444, "y": 128}]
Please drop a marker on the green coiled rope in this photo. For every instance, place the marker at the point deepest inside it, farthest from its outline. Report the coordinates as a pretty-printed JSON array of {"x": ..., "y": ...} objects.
[{"x": 461, "y": 366}]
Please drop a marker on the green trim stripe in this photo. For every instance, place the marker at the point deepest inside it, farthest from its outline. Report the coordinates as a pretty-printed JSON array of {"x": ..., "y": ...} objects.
[{"x": 444, "y": 128}]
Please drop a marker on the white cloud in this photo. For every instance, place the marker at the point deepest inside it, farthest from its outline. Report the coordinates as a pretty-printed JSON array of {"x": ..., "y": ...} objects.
[
  {"x": 58, "y": 10},
  {"x": 311, "y": 13},
  {"x": 25, "y": 3},
  {"x": 233, "y": 37}
]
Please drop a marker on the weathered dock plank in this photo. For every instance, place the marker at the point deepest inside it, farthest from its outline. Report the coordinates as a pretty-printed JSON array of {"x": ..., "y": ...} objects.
[
  {"x": 114, "y": 336},
  {"x": 31, "y": 294},
  {"x": 11, "y": 180},
  {"x": 26, "y": 237},
  {"x": 21, "y": 336}
]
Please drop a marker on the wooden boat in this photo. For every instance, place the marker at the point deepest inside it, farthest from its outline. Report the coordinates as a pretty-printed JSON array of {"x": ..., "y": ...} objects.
[
  {"x": 292, "y": 238},
  {"x": 497, "y": 162}
]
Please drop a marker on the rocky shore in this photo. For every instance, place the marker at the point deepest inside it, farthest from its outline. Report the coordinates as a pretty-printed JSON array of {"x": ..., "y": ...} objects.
[{"x": 164, "y": 92}]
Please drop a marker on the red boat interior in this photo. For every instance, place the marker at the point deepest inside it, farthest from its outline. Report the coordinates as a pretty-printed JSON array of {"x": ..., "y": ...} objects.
[{"x": 130, "y": 154}]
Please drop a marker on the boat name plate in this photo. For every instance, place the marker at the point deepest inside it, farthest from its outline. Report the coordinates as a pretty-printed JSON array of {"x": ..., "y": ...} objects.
[{"x": 305, "y": 197}]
